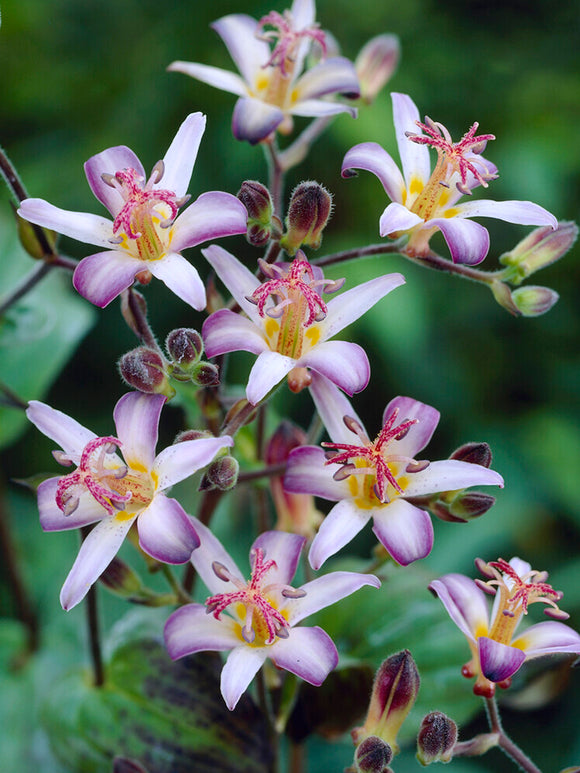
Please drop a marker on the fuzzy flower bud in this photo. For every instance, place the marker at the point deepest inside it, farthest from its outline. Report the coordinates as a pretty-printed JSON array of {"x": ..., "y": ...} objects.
[
  {"x": 119, "y": 578},
  {"x": 308, "y": 214},
  {"x": 375, "y": 64},
  {"x": 394, "y": 692},
  {"x": 144, "y": 369},
  {"x": 373, "y": 756},
  {"x": 436, "y": 739},
  {"x": 474, "y": 453},
  {"x": 539, "y": 249},
  {"x": 38, "y": 242},
  {"x": 532, "y": 301},
  {"x": 221, "y": 474},
  {"x": 184, "y": 346},
  {"x": 261, "y": 219},
  {"x": 205, "y": 374}
]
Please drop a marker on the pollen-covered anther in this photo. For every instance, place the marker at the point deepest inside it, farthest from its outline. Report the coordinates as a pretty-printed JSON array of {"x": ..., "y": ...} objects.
[
  {"x": 417, "y": 466},
  {"x": 485, "y": 587},
  {"x": 520, "y": 592},
  {"x": 62, "y": 458}
]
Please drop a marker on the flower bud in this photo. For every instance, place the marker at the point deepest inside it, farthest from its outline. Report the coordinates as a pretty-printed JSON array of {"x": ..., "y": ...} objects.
[
  {"x": 144, "y": 369},
  {"x": 206, "y": 374},
  {"x": 375, "y": 63},
  {"x": 532, "y": 301},
  {"x": 119, "y": 578},
  {"x": 394, "y": 692},
  {"x": 221, "y": 474},
  {"x": 257, "y": 200},
  {"x": 474, "y": 453},
  {"x": 308, "y": 213},
  {"x": 471, "y": 504},
  {"x": 436, "y": 739},
  {"x": 373, "y": 756},
  {"x": 37, "y": 241},
  {"x": 125, "y": 765},
  {"x": 503, "y": 295},
  {"x": 540, "y": 248},
  {"x": 184, "y": 346},
  {"x": 192, "y": 434}
]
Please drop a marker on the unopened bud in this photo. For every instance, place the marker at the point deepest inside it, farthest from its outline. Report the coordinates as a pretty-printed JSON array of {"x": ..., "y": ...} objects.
[
  {"x": 125, "y": 765},
  {"x": 474, "y": 453},
  {"x": 471, "y": 504},
  {"x": 119, "y": 578},
  {"x": 376, "y": 62},
  {"x": 192, "y": 434},
  {"x": 205, "y": 374},
  {"x": 144, "y": 369},
  {"x": 221, "y": 474},
  {"x": 539, "y": 249},
  {"x": 532, "y": 301},
  {"x": 308, "y": 213},
  {"x": 257, "y": 200},
  {"x": 373, "y": 755},
  {"x": 37, "y": 241},
  {"x": 503, "y": 295},
  {"x": 394, "y": 692},
  {"x": 184, "y": 346},
  {"x": 436, "y": 739}
]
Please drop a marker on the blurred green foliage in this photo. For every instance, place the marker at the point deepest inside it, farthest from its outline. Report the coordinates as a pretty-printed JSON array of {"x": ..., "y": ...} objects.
[{"x": 80, "y": 77}]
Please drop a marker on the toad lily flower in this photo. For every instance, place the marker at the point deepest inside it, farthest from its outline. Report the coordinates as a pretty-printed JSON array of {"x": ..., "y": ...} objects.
[
  {"x": 497, "y": 652},
  {"x": 147, "y": 234},
  {"x": 289, "y": 324},
  {"x": 424, "y": 201},
  {"x": 116, "y": 493},
  {"x": 256, "y": 619},
  {"x": 375, "y": 478},
  {"x": 272, "y": 87}
]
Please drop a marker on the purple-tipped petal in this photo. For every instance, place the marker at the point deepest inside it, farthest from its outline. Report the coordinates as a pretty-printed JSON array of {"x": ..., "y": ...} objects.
[
  {"x": 267, "y": 372},
  {"x": 414, "y": 157},
  {"x": 306, "y": 473},
  {"x": 465, "y": 603},
  {"x": 468, "y": 242},
  {"x": 238, "y": 32},
  {"x": 242, "y": 665},
  {"x": 236, "y": 277},
  {"x": 209, "y": 551},
  {"x": 373, "y": 158},
  {"x": 332, "y": 405},
  {"x": 179, "y": 461},
  {"x": 449, "y": 475},
  {"x": 213, "y": 76},
  {"x": 326, "y": 590},
  {"x": 353, "y": 303},
  {"x": 102, "y": 277},
  {"x": 307, "y": 652},
  {"x": 522, "y": 212},
  {"x": 254, "y": 120},
  {"x": 211, "y": 216},
  {"x": 396, "y": 218},
  {"x": 96, "y": 553},
  {"x": 311, "y": 108},
  {"x": 181, "y": 278},
  {"x": 498, "y": 661},
  {"x": 166, "y": 532},
  {"x": 53, "y": 519},
  {"x": 342, "y": 523},
  {"x": 82, "y": 226},
  {"x": 419, "y": 434},
  {"x": 111, "y": 161},
  {"x": 224, "y": 331},
  {"x": 190, "y": 629},
  {"x": 404, "y": 530},
  {"x": 344, "y": 363},
  {"x": 136, "y": 418},
  {"x": 181, "y": 154},
  {"x": 285, "y": 550},
  {"x": 333, "y": 76},
  {"x": 548, "y": 638},
  {"x": 71, "y": 436}
]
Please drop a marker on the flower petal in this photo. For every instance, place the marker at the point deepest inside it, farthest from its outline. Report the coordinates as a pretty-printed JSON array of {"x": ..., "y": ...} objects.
[
  {"x": 110, "y": 161},
  {"x": 332, "y": 405},
  {"x": 324, "y": 591},
  {"x": 214, "y": 76},
  {"x": 190, "y": 629},
  {"x": 522, "y": 212},
  {"x": 209, "y": 551},
  {"x": 371, "y": 157},
  {"x": 213, "y": 215},
  {"x": 404, "y": 530},
  {"x": 180, "y": 460},
  {"x": 285, "y": 550},
  {"x": 465, "y": 603},
  {"x": 414, "y": 157},
  {"x": 136, "y": 417},
  {"x": 468, "y": 242},
  {"x": 181, "y": 154},
  {"x": 548, "y": 638},
  {"x": 307, "y": 473},
  {"x": 342, "y": 523},
  {"x": 333, "y": 76},
  {"x": 242, "y": 665},
  {"x": 71, "y": 436},
  {"x": 250, "y": 54},
  {"x": 303, "y": 14},
  {"x": 96, "y": 553},
  {"x": 236, "y": 277},
  {"x": 321, "y": 107},
  {"x": 267, "y": 372},
  {"x": 102, "y": 277},
  {"x": 307, "y": 652},
  {"x": 450, "y": 475},
  {"x": 396, "y": 218},
  {"x": 420, "y": 434},
  {"x": 253, "y": 120},
  {"x": 344, "y": 363},
  {"x": 181, "y": 278},
  {"x": 82, "y": 226},
  {"x": 53, "y": 519},
  {"x": 353, "y": 303},
  {"x": 166, "y": 532},
  {"x": 223, "y": 332},
  {"x": 498, "y": 661}
]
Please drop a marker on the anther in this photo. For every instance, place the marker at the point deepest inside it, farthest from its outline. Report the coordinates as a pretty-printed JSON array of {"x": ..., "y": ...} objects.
[
  {"x": 416, "y": 466},
  {"x": 221, "y": 571},
  {"x": 62, "y": 458},
  {"x": 344, "y": 472},
  {"x": 489, "y": 589},
  {"x": 293, "y": 593}
]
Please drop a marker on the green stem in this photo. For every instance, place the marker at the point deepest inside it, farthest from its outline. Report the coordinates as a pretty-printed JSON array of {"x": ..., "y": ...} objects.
[
  {"x": 93, "y": 628},
  {"x": 360, "y": 252},
  {"x": 275, "y": 175},
  {"x": 182, "y": 596}
]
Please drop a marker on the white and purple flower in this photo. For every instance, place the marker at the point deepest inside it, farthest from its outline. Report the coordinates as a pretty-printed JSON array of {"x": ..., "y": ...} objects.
[
  {"x": 424, "y": 201},
  {"x": 115, "y": 493},
  {"x": 375, "y": 478},
  {"x": 272, "y": 85},
  {"x": 288, "y": 324},
  {"x": 257, "y": 619},
  {"x": 147, "y": 235},
  {"x": 497, "y": 651}
]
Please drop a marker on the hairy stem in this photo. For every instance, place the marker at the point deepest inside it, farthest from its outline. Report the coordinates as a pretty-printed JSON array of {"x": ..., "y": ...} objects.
[
  {"x": 275, "y": 175},
  {"x": 360, "y": 252},
  {"x": 511, "y": 749},
  {"x": 93, "y": 628},
  {"x": 182, "y": 596}
]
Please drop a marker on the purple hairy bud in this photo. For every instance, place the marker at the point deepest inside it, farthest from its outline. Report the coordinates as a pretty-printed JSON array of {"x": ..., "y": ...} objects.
[
  {"x": 145, "y": 369},
  {"x": 373, "y": 756},
  {"x": 262, "y": 223},
  {"x": 184, "y": 346},
  {"x": 474, "y": 453},
  {"x": 308, "y": 214},
  {"x": 221, "y": 474},
  {"x": 436, "y": 739}
]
